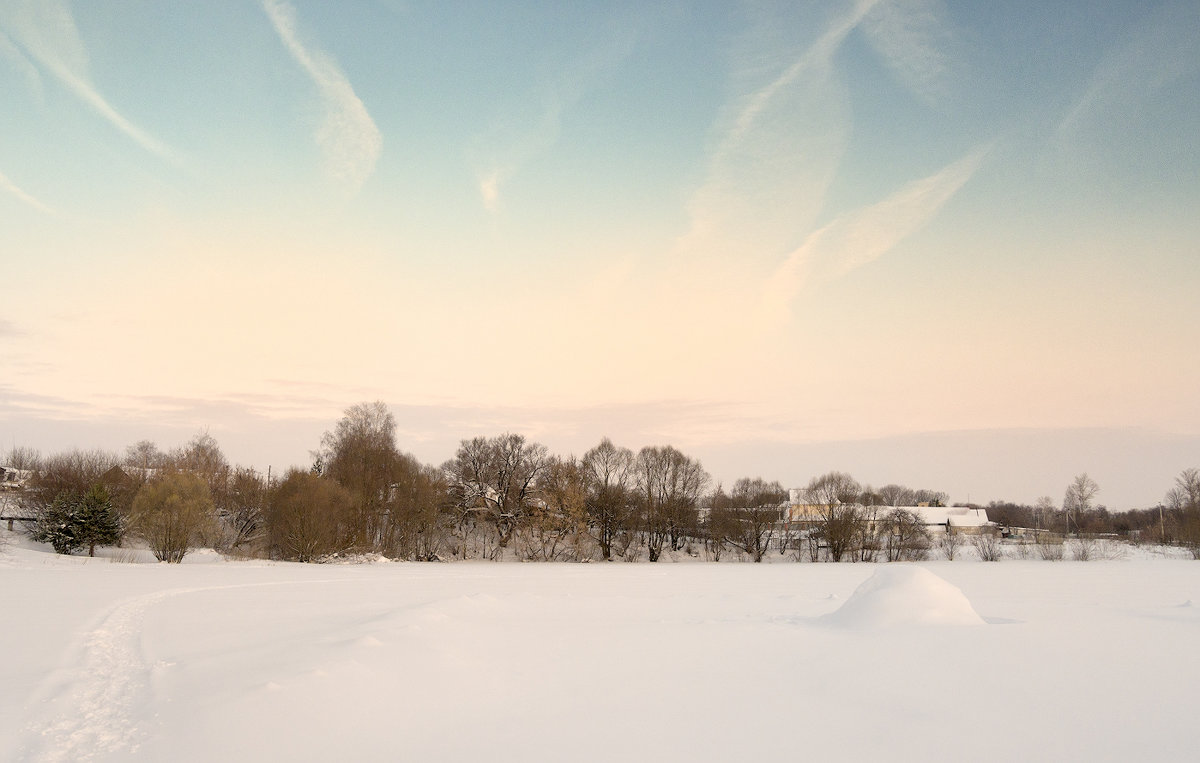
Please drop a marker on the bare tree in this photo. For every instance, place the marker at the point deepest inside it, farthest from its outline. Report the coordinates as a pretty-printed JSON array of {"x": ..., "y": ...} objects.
[
  {"x": 498, "y": 478},
  {"x": 897, "y": 495},
  {"x": 1078, "y": 499},
  {"x": 72, "y": 473},
  {"x": 23, "y": 458},
  {"x": 1186, "y": 492},
  {"x": 556, "y": 524},
  {"x": 905, "y": 536},
  {"x": 668, "y": 486},
  {"x": 360, "y": 455},
  {"x": 243, "y": 509},
  {"x": 417, "y": 511},
  {"x": 1184, "y": 501},
  {"x": 607, "y": 473},
  {"x": 1042, "y": 511},
  {"x": 202, "y": 457},
  {"x": 930, "y": 497},
  {"x": 720, "y": 525},
  {"x": 835, "y": 497},
  {"x": 755, "y": 516},
  {"x": 867, "y": 542},
  {"x": 144, "y": 456}
]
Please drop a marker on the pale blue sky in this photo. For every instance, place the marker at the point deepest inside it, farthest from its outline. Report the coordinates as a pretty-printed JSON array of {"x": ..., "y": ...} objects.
[{"x": 749, "y": 230}]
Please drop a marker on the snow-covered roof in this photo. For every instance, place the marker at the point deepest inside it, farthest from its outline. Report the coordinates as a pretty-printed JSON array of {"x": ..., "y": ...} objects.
[
  {"x": 957, "y": 516},
  {"x": 14, "y": 477}
]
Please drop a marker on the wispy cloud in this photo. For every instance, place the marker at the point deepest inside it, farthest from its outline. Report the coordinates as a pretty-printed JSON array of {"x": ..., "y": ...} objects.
[
  {"x": 15, "y": 190},
  {"x": 504, "y": 150},
  {"x": 21, "y": 63},
  {"x": 815, "y": 59},
  {"x": 866, "y": 234},
  {"x": 1159, "y": 51},
  {"x": 776, "y": 152},
  {"x": 46, "y": 31},
  {"x": 349, "y": 140},
  {"x": 912, "y": 37},
  {"x": 489, "y": 190}
]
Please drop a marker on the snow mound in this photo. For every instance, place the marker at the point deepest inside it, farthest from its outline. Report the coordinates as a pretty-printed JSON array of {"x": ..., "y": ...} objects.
[{"x": 905, "y": 595}]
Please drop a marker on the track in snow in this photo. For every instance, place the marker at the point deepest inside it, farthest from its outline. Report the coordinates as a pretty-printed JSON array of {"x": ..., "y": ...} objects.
[
  {"x": 92, "y": 708},
  {"x": 91, "y": 705}
]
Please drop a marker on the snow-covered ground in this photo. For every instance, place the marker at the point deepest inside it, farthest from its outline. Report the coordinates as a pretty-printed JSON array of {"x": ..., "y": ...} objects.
[{"x": 222, "y": 660}]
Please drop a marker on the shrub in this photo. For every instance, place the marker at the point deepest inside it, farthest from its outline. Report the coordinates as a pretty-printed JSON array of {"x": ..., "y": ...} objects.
[
  {"x": 308, "y": 517},
  {"x": 949, "y": 543},
  {"x": 988, "y": 547},
  {"x": 171, "y": 512},
  {"x": 1083, "y": 549},
  {"x": 1050, "y": 551}
]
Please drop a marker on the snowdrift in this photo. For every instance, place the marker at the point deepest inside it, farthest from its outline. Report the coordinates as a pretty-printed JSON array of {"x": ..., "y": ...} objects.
[{"x": 904, "y": 595}]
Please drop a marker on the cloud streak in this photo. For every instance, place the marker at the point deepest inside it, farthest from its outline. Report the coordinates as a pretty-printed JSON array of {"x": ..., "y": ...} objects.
[
  {"x": 46, "y": 31},
  {"x": 865, "y": 235},
  {"x": 1159, "y": 51},
  {"x": 19, "y": 61},
  {"x": 508, "y": 150},
  {"x": 349, "y": 140},
  {"x": 777, "y": 152},
  {"x": 30, "y": 200}
]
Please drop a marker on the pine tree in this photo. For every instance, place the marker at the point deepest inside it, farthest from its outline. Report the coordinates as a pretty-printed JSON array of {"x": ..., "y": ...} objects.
[
  {"x": 71, "y": 522},
  {"x": 99, "y": 524},
  {"x": 58, "y": 524}
]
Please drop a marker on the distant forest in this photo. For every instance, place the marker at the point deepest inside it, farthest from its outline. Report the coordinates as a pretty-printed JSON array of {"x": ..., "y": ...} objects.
[{"x": 505, "y": 497}]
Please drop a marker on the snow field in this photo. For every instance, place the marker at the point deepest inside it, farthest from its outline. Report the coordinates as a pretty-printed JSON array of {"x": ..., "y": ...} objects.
[{"x": 253, "y": 660}]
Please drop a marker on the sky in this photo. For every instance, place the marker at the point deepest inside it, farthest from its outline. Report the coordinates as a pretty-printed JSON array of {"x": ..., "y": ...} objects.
[{"x": 948, "y": 245}]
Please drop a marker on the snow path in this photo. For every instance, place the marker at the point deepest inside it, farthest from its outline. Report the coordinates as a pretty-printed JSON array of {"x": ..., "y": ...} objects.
[
  {"x": 96, "y": 714},
  {"x": 96, "y": 702}
]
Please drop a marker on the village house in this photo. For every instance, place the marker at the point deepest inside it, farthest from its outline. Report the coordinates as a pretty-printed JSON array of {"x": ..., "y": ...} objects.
[{"x": 964, "y": 520}]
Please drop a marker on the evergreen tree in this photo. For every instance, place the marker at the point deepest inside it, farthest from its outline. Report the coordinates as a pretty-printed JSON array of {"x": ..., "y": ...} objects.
[
  {"x": 71, "y": 522},
  {"x": 99, "y": 524},
  {"x": 58, "y": 524}
]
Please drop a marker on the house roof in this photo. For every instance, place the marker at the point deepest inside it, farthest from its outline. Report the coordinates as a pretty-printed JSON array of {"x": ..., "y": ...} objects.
[{"x": 957, "y": 516}]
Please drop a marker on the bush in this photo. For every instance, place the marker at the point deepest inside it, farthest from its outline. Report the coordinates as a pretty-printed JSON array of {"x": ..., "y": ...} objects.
[
  {"x": 1083, "y": 549},
  {"x": 171, "y": 513},
  {"x": 1050, "y": 551},
  {"x": 308, "y": 517},
  {"x": 988, "y": 547},
  {"x": 1089, "y": 549},
  {"x": 949, "y": 543}
]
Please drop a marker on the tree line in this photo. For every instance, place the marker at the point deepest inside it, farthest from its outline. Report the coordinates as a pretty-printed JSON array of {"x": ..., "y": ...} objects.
[
  {"x": 1173, "y": 521},
  {"x": 503, "y": 497}
]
